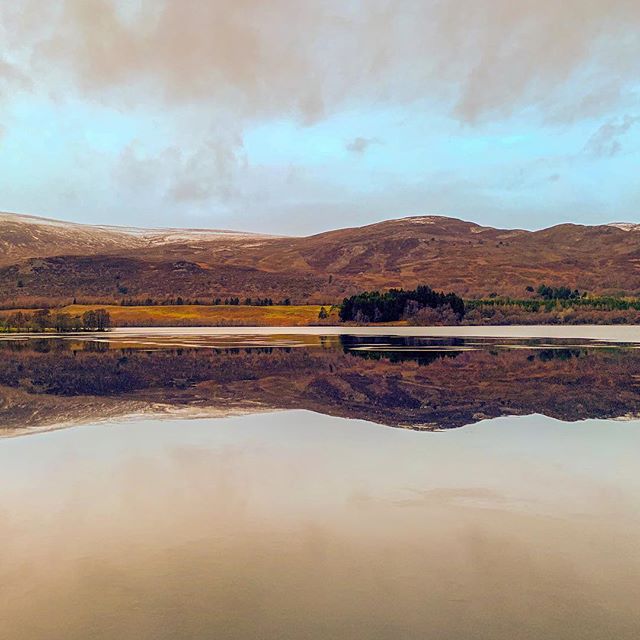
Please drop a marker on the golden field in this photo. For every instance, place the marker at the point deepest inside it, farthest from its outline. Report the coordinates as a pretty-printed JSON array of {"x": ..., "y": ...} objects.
[{"x": 206, "y": 316}]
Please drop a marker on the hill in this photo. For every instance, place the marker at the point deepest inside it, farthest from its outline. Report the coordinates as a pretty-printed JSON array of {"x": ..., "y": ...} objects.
[{"x": 46, "y": 259}]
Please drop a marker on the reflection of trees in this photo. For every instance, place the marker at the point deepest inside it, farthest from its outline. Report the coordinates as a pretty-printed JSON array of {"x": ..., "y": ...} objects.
[
  {"x": 410, "y": 388},
  {"x": 351, "y": 341},
  {"x": 559, "y": 354},
  {"x": 397, "y": 349}
]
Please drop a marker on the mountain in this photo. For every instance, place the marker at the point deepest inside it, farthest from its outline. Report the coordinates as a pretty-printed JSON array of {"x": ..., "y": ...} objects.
[{"x": 47, "y": 259}]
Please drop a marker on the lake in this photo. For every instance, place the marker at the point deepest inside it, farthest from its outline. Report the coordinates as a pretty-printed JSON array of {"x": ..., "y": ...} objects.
[{"x": 443, "y": 483}]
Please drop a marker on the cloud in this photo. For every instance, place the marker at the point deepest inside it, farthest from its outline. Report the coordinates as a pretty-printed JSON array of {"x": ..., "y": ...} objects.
[
  {"x": 186, "y": 171},
  {"x": 360, "y": 145},
  {"x": 208, "y": 172},
  {"x": 606, "y": 141},
  {"x": 484, "y": 59},
  {"x": 11, "y": 79}
]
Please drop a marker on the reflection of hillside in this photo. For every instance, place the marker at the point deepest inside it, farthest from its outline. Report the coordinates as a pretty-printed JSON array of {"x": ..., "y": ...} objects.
[
  {"x": 22, "y": 410},
  {"x": 408, "y": 384}
]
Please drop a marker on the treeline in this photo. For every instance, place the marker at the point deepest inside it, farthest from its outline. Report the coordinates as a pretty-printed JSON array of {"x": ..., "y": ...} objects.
[
  {"x": 582, "y": 310},
  {"x": 43, "y": 320},
  {"x": 514, "y": 315},
  {"x": 397, "y": 304},
  {"x": 599, "y": 303},
  {"x": 179, "y": 301}
]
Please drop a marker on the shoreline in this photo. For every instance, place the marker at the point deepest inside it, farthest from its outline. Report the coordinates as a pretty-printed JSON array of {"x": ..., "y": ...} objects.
[
  {"x": 606, "y": 333},
  {"x": 615, "y": 333}
]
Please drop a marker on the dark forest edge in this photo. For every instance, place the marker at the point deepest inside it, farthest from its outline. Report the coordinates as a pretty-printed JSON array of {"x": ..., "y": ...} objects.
[{"x": 420, "y": 305}]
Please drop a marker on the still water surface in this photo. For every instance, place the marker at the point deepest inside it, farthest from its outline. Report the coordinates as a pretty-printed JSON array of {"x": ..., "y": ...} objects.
[{"x": 250, "y": 487}]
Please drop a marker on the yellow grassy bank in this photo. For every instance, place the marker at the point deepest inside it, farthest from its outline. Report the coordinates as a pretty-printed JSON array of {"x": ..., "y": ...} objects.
[{"x": 205, "y": 316}]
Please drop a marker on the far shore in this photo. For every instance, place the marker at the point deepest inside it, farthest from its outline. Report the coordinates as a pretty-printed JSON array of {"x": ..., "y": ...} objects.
[
  {"x": 607, "y": 333},
  {"x": 604, "y": 333},
  {"x": 325, "y": 318}
]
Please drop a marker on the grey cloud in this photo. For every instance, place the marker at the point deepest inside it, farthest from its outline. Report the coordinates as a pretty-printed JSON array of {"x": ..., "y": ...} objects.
[
  {"x": 133, "y": 171},
  {"x": 360, "y": 144},
  {"x": 208, "y": 172},
  {"x": 186, "y": 171},
  {"x": 607, "y": 140},
  {"x": 12, "y": 78}
]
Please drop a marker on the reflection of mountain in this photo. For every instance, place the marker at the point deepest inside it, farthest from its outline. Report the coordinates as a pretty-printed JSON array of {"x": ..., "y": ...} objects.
[{"x": 397, "y": 382}]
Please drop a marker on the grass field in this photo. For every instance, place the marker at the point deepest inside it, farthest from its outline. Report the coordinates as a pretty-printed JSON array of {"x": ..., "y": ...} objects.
[
  {"x": 205, "y": 316},
  {"x": 307, "y": 315}
]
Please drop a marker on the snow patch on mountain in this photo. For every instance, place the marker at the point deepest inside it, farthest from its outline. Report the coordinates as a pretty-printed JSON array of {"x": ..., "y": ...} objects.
[
  {"x": 625, "y": 226},
  {"x": 151, "y": 236}
]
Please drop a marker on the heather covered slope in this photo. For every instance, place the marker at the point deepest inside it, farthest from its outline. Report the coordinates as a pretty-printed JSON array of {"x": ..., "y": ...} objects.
[
  {"x": 44, "y": 259},
  {"x": 464, "y": 257}
]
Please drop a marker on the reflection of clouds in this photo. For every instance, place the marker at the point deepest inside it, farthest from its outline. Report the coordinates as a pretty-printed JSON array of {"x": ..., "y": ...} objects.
[
  {"x": 271, "y": 523},
  {"x": 445, "y": 497},
  {"x": 457, "y": 496}
]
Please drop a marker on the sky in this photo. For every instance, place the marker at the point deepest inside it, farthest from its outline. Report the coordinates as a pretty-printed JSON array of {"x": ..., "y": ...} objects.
[{"x": 299, "y": 116}]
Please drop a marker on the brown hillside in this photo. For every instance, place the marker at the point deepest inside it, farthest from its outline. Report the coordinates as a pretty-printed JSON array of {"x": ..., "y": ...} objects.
[{"x": 63, "y": 261}]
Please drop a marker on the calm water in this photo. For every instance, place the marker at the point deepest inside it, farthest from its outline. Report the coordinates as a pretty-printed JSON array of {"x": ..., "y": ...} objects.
[{"x": 291, "y": 485}]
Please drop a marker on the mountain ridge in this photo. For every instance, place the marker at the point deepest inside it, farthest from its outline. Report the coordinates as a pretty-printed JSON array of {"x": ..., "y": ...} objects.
[
  {"x": 9, "y": 216},
  {"x": 42, "y": 257}
]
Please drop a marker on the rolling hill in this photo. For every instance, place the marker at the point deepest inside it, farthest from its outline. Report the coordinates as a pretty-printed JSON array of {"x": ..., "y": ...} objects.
[{"x": 47, "y": 259}]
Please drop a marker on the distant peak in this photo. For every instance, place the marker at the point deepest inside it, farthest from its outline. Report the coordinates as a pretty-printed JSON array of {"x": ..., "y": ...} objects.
[{"x": 431, "y": 219}]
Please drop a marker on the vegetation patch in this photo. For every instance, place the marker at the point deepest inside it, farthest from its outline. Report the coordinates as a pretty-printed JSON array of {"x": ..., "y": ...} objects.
[{"x": 398, "y": 304}]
